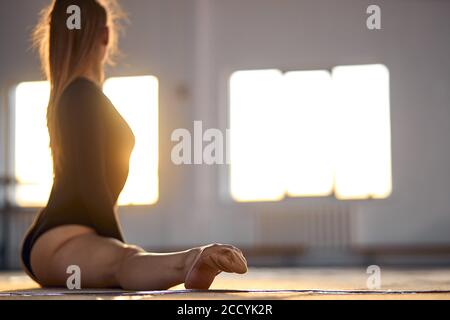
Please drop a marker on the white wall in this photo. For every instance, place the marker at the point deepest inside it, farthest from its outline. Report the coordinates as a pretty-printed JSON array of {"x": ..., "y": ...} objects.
[
  {"x": 193, "y": 45},
  {"x": 321, "y": 34},
  {"x": 413, "y": 43}
]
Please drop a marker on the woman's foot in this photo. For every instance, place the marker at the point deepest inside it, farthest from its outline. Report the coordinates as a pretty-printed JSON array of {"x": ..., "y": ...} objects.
[{"x": 211, "y": 260}]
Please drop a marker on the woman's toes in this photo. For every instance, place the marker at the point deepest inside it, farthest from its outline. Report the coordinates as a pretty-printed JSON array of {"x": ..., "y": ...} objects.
[
  {"x": 211, "y": 261},
  {"x": 239, "y": 263}
]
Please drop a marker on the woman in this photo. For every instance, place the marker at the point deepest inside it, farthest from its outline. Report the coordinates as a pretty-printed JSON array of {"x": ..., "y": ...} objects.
[{"x": 91, "y": 145}]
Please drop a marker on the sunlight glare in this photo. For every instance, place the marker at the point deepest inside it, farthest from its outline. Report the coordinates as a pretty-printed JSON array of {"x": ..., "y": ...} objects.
[
  {"x": 136, "y": 99},
  {"x": 256, "y": 130},
  {"x": 309, "y": 134},
  {"x": 309, "y": 154},
  {"x": 33, "y": 163},
  {"x": 363, "y": 163}
]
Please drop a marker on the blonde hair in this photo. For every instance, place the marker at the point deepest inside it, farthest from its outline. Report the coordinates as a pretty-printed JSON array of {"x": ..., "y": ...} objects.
[{"x": 64, "y": 53}]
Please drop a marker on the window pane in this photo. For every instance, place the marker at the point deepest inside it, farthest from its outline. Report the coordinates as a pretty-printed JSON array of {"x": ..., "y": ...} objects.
[
  {"x": 136, "y": 99},
  {"x": 309, "y": 121},
  {"x": 363, "y": 160},
  {"x": 33, "y": 164},
  {"x": 256, "y": 131}
]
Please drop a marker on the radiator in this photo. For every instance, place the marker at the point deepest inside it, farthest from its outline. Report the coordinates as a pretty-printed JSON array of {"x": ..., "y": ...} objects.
[{"x": 315, "y": 226}]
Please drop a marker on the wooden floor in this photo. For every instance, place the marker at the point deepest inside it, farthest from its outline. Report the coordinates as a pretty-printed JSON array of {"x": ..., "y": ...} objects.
[{"x": 310, "y": 283}]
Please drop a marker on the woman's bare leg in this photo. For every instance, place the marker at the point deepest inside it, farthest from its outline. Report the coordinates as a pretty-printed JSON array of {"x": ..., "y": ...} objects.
[{"x": 107, "y": 263}]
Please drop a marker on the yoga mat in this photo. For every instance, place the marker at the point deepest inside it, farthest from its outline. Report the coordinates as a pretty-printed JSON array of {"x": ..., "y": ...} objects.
[{"x": 94, "y": 292}]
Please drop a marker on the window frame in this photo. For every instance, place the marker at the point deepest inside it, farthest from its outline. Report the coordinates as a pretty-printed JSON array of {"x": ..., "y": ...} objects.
[{"x": 287, "y": 201}]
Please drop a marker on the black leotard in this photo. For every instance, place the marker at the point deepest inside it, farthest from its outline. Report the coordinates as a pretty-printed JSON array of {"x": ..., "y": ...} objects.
[{"x": 96, "y": 144}]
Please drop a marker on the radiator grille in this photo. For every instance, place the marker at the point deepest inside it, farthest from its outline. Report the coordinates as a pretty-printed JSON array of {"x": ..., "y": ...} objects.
[{"x": 325, "y": 226}]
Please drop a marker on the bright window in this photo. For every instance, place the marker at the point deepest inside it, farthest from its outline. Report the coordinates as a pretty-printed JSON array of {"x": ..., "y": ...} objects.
[
  {"x": 33, "y": 163},
  {"x": 309, "y": 167},
  {"x": 310, "y": 133},
  {"x": 257, "y": 121},
  {"x": 136, "y": 98},
  {"x": 362, "y": 134}
]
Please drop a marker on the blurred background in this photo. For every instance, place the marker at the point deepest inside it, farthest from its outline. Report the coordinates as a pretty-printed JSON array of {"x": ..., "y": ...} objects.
[{"x": 339, "y": 135}]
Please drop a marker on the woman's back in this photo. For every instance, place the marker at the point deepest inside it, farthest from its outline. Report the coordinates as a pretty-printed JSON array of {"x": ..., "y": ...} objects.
[{"x": 95, "y": 148}]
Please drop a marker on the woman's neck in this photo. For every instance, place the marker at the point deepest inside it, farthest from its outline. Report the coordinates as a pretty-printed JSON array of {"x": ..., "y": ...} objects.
[{"x": 95, "y": 75}]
